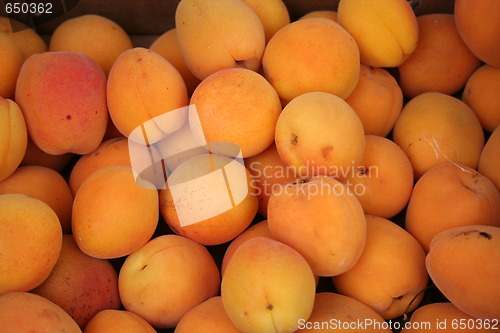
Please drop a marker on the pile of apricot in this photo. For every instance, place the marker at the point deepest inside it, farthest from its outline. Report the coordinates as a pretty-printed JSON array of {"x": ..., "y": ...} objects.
[{"x": 358, "y": 153}]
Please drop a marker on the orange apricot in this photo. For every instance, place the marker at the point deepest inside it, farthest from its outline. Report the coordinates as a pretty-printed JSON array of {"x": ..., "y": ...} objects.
[
  {"x": 118, "y": 321},
  {"x": 46, "y": 185},
  {"x": 442, "y": 62},
  {"x": 481, "y": 94},
  {"x": 311, "y": 55},
  {"x": 377, "y": 100},
  {"x": 113, "y": 215},
  {"x": 13, "y": 137},
  {"x": 98, "y": 37},
  {"x": 490, "y": 158},
  {"x": 447, "y": 196},
  {"x": 478, "y": 25},
  {"x": 30, "y": 242},
  {"x": 81, "y": 285},
  {"x": 434, "y": 128},
  {"x": 328, "y": 14},
  {"x": 463, "y": 264},
  {"x": 27, "y": 40}
]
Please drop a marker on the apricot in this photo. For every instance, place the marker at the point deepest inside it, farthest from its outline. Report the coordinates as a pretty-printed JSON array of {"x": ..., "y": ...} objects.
[
  {"x": 383, "y": 181},
  {"x": 268, "y": 171},
  {"x": 260, "y": 229},
  {"x": 46, "y": 185},
  {"x": 480, "y": 94},
  {"x": 158, "y": 88},
  {"x": 478, "y": 25},
  {"x": 377, "y": 100},
  {"x": 166, "y": 278},
  {"x": 81, "y": 285},
  {"x": 311, "y": 55},
  {"x": 434, "y": 128},
  {"x": 63, "y": 99},
  {"x": 441, "y": 62},
  {"x": 463, "y": 264},
  {"x": 446, "y": 318},
  {"x": 322, "y": 220},
  {"x": 239, "y": 106},
  {"x": 267, "y": 287},
  {"x": 202, "y": 204},
  {"x": 167, "y": 45},
  {"x": 27, "y": 40},
  {"x": 319, "y": 134},
  {"x": 96, "y": 36},
  {"x": 36, "y": 156},
  {"x": 215, "y": 35},
  {"x": 209, "y": 316},
  {"x": 328, "y": 14},
  {"x": 13, "y": 137},
  {"x": 273, "y": 15},
  {"x": 390, "y": 272},
  {"x": 110, "y": 152},
  {"x": 112, "y": 215},
  {"x": 26, "y": 312},
  {"x": 386, "y": 32},
  {"x": 449, "y": 196},
  {"x": 12, "y": 61},
  {"x": 30, "y": 242},
  {"x": 118, "y": 321},
  {"x": 490, "y": 158},
  {"x": 334, "y": 312}
]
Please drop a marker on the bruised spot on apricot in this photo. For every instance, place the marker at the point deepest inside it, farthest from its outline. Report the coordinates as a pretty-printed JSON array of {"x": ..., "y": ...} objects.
[
  {"x": 68, "y": 117},
  {"x": 326, "y": 150},
  {"x": 486, "y": 235},
  {"x": 295, "y": 139},
  {"x": 269, "y": 307}
]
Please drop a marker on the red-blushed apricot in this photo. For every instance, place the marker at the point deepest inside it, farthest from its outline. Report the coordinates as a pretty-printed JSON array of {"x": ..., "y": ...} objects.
[
  {"x": 441, "y": 62},
  {"x": 110, "y": 152},
  {"x": 312, "y": 55},
  {"x": 204, "y": 207},
  {"x": 434, "y": 128},
  {"x": 385, "y": 31},
  {"x": 321, "y": 219},
  {"x": 383, "y": 180},
  {"x": 166, "y": 278},
  {"x": 27, "y": 40},
  {"x": 273, "y": 15},
  {"x": 46, "y": 185},
  {"x": 36, "y": 156},
  {"x": 267, "y": 287},
  {"x": 63, "y": 99},
  {"x": 490, "y": 158},
  {"x": 237, "y": 105},
  {"x": 167, "y": 45},
  {"x": 478, "y": 25},
  {"x": 81, "y": 285},
  {"x": 377, "y": 100},
  {"x": 463, "y": 264},
  {"x": 445, "y": 318},
  {"x": 12, "y": 61},
  {"x": 328, "y": 14},
  {"x": 13, "y": 137},
  {"x": 118, "y": 321},
  {"x": 390, "y": 272},
  {"x": 339, "y": 313},
  {"x": 27, "y": 312},
  {"x": 319, "y": 134},
  {"x": 30, "y": 242},
  {"x": 260, "y": 229},
  {"x": 481, "y": 94},
  {"x": 98, "y": 37},
  {"x": 219, "y": 34},
  {"x": 448, "y": 196},
  {"x": 112, "y": 214},
  {"x": 268, "y": 171},
  {"x": 208, "y": 317},
  {"x": 158, "y": 88}
]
